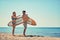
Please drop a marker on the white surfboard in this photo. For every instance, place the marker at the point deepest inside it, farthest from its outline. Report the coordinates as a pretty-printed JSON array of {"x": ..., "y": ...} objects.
[{"x": 20, "y": 20}]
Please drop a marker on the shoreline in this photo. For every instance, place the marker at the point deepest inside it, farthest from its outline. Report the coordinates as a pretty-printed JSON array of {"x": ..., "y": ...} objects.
[{"x": 5, "y": 36}]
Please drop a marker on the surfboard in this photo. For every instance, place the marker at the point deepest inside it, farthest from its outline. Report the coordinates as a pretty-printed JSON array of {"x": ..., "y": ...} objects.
[
  {"x": 31, "y": 21},
  {"x": 20, "y": 21}
]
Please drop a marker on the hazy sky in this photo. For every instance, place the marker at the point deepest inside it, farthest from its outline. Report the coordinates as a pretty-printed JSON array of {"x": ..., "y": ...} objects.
[{"x": 44, "y": 12}]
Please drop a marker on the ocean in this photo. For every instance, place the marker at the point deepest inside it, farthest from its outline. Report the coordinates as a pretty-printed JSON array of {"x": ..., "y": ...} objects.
[{"x": 41, "y": 31}]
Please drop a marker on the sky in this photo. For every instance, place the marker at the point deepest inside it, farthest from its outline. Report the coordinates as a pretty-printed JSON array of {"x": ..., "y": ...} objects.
[{"x": 46, "y": 13}]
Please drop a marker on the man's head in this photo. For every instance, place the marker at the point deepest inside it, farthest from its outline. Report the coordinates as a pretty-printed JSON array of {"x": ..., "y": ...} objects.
[{"x": 23, "y": 12}]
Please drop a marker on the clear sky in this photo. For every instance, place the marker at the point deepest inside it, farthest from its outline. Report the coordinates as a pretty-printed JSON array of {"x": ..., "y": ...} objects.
[{"x": 45, "y": 12}]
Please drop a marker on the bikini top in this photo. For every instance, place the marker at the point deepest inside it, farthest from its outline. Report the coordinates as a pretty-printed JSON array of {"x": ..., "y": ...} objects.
[{"x": 14, "y": 18}]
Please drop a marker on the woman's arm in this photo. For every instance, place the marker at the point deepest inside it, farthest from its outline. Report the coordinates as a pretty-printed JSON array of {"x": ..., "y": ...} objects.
[{"x": 18, "y": 17}]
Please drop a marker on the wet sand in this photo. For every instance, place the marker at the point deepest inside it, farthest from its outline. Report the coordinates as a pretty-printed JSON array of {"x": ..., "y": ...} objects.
[{"x": 28, "y": 37}]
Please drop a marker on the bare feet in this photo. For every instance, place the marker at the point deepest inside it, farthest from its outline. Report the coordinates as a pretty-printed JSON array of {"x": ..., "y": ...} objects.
[
  {"x": 24, "y": 35},
  {"x": 13, "y": 34}
]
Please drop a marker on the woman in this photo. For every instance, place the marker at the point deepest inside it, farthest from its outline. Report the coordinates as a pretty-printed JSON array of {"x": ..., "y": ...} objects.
[{"x": 14, "y": 17}]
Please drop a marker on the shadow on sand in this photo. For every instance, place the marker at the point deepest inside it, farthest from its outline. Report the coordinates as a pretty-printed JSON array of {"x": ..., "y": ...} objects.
[{"x": 28, "y": 36}]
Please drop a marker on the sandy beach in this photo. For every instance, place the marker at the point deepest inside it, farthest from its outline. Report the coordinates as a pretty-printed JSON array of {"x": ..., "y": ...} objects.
[{"x": 21, "y": 37}]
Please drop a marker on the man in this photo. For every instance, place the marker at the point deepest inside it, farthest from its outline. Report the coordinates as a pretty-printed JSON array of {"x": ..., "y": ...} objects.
[{"x": 25, "y": 19}]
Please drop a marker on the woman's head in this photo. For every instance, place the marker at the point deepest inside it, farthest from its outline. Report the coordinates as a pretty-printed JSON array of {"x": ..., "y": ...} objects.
[{"x": 14, "y": 13}]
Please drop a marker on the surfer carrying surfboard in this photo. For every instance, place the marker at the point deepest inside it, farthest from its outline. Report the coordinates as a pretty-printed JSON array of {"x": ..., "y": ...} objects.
[
  {"x": 13, "y": 17},
  {"x": 25, "y": 19}
]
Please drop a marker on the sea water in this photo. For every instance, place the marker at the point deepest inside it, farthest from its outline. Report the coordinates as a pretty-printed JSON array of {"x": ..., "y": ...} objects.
[{"x": 41, "y": 31}]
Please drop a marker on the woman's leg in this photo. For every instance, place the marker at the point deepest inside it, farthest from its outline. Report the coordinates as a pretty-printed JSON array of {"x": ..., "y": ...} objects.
[{"x": 13, "y": 30}]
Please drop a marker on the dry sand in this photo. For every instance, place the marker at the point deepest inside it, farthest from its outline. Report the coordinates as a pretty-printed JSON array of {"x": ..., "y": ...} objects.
[{"x": 21, "y": 37}]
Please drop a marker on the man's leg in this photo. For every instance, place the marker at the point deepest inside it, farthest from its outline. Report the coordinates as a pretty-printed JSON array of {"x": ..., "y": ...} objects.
[{"x": 25, "y": 27}]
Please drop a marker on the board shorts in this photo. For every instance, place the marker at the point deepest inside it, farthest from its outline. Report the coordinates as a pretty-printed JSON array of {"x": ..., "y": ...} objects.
[{"x": 25, "y": 25}]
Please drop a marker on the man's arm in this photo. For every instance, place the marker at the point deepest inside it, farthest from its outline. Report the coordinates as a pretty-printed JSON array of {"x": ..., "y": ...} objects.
[{"x": 27, "y": 15}]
